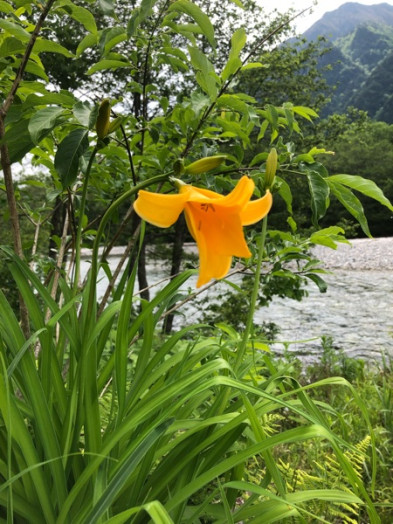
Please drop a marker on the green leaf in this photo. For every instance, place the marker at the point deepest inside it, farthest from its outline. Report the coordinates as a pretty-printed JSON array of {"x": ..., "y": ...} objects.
[
  {"x": 85, "y": 17},
  {"x": 234, "y": 63},
  {"x": 43, "y": 121},
  {"x": 363, "y": 185},
  {"x": 203, "y": 21},
  {"x": 107, "y": 64},
  {"x": 48, "y": 46},
  {"x": 37, "y": 70},
  {"x": 68, "y": 154},
  {"x": 85, "y": 113},
  {"x": 252, "y": 65},
  {"x": 107, "y": 7},
  {"x": 259, "y": 159},
  {"x": 63, "y": 98},
  {"x": 285, "y": 193},
  {"x": 305, "y": 112},
  {"x": 233, "y": 102},
  {"x": 351, "y": 203},
  {"x": 18, "y": 140},
  {"x": 322, "y": 286},
  {"x": 11, "y": 46},
  {"x": 15, "y": 30},
  {"x": 319, "y": 191},
  {"x": 90, "y": 40},
  {"x": 5, "y": 7},
  {"x": 139, "y": 14},
  {"x": 124, "y": 471}
]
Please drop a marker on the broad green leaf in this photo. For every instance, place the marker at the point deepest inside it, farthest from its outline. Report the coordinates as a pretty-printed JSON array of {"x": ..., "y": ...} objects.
[
  {"x": 85, "y": 17},
  {"x": 199, "y": 61},
  {"x": 18, "y": 140},
  {"x": 238, "y": 41},
  {"x": 351, "y": 203},
  {"x": 48, "y": 46},
  {"x": 259, "y": 159},
  {"x": 107, "y": 7},
  {"x": 272, "y": 116},
  {"x": 113, "y": 37},
  {"x": 233, "y": 102},
  {"x": 322, "y": 286},
  {"x": 252, "y": 65},
  {"x": 43, "y": 121},
  {"x": 139, "y": 14},
  {"x": 11, "y": 46},
  {"x": 85, "y": 113},
  {"x": 68, "y": 154},
  {"x": 329, "y": 237},
  {"x": 285, "y": 193},
  {"x": 234, "y": 63},
  {"x": 37, "y": 70},
  {"x": 319, "y": 191},
  {"x": 5, "y": 7},
  {"x": 305, "y": 112},
  {"x": 15, "y": 30},
  {"x": 90, "y": 40},
  {"x": 203, "y": 21},
  {"x": 363, "y": 185},
  {"x": 207, "y": 84},
  {"x": 107, "y": 64},
  {"x": 233, "y": 129},
  {"x": 63, "y": 98}
]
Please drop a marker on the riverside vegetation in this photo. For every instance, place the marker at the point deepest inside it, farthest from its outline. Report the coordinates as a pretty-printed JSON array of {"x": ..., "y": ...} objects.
[{"x": 106, "y": 413}]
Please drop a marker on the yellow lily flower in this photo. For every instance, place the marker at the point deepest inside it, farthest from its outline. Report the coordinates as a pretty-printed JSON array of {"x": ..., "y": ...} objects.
[{"x": 214, "y": 221}]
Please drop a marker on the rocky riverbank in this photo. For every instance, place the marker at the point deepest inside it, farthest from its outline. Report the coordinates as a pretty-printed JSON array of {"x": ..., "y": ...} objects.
[{"x": 360, "y": 254}]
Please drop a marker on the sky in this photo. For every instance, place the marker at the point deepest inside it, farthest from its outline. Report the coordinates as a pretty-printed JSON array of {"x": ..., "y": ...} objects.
[{"x": 318, "y": 10}]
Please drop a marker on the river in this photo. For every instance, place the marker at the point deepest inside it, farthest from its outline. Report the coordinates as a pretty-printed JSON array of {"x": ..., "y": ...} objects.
[{"x": 356, "y": 311}]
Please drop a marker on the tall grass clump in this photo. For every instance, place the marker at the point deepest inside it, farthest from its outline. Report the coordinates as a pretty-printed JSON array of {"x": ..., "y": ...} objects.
[{"x": 106, "y": 414}]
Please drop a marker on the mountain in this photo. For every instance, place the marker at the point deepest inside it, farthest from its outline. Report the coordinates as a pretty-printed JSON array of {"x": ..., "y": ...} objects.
[{"x": 360, "y": 60}]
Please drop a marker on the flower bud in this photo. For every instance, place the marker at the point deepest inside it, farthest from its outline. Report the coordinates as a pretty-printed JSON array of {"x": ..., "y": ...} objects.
[
  {"x": 204, "y": 164},
  {"x": 178, "y": 167},
  {"x": 115, "y": 124},
  {"x": 103, "y": 119},
  {"x": 271, "y": 168}
]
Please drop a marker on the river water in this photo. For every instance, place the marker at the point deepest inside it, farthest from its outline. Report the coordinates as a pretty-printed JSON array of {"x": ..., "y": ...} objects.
[{"x": 356, "y": 311}]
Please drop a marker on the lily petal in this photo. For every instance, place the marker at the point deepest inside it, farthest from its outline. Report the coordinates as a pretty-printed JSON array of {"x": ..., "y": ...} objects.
[
  {"x": 220, "y": 228},
  {"x": 241, "y": 194},
  {"x": 255, "y": 210},
  {"x": 160, "y": 210},
  {"x": 211, "y": 265}
]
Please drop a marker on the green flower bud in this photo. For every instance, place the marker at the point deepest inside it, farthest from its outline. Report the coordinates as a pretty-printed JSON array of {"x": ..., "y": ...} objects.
[
  {"x": 204, "y": 164},
  {"x": 271, "y": 168},
  {"x": 115, "y": 124},
  {"x": 103, "y": 119},
  {"x": 178, "y": 167}
]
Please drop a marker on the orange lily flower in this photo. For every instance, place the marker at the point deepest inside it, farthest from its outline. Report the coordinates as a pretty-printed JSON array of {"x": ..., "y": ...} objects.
[{"x": 214, "y": 221}]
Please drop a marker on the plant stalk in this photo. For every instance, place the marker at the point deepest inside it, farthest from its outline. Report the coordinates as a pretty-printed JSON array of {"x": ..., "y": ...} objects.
[
  {"x": 254, "y": 297},
  {"x": 78, "y": 240}
]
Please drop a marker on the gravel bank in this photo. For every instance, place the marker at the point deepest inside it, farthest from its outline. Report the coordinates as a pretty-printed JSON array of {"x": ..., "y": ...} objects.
[{"x": 360, "y": 254}]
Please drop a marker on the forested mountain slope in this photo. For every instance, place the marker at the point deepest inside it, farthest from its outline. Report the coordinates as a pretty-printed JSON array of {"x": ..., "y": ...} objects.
[{"x": 361, "y": 58}]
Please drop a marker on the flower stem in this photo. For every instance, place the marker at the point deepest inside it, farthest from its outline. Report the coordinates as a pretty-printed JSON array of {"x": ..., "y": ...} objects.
[
  {"x": 254, "y": 297},
  {"x": 78, "y": 240}
]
